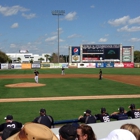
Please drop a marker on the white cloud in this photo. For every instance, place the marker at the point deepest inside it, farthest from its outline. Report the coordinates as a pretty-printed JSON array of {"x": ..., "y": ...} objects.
[
  {"x": 50, "y": 39},
  {"x": 29, "y": 16},
  {"x": 71, "y": 16},
  {"x": 92, "y": 6},
  {"x": 132, "y": 29},
  {"x": 134, "y": 40},
  {"x": 102, "y": 40},
  {"x": 9, "y": 11},
  {"x": 135, "y": 20},
  {"x": 74, "y": 36},
  {"x": 13, "y": 46},
  {"x": 15, "y": 25},
  {"x": 119, "y": 21}
]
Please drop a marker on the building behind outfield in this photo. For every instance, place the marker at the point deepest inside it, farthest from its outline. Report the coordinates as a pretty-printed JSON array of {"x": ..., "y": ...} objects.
[{"x": 90, "y": 53}]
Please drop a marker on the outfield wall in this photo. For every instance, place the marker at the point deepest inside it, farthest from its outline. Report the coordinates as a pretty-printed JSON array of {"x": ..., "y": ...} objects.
[{"x": 68, "y": 65}]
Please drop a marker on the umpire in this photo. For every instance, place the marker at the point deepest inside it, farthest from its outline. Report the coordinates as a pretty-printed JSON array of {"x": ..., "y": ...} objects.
[{"x": 44, "y": 119}]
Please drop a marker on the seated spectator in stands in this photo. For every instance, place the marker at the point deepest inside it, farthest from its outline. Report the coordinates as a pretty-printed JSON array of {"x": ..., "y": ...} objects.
[
  {"x": 133, "y": 113},
  {"x": 87, "y": 118},
  {"x": 119, "y": 115},
  {"x": 44, "y": 119},
  {"x": 85, "y": 132},
  {"x": 34, "y": 131},
  {"x": 67, "y": 132},
  {"x": 9, "y": 127},
  {"x": 132, "y": 128},
  {"x": 120, "y": 134},
  {"x": 103, "y": 117}
]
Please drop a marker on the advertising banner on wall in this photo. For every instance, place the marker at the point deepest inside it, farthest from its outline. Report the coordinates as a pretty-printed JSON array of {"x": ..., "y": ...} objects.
[
  {"x": 75, "y": 54},
  {"x": 35, "y": 66},
  {"x": 100, "y": 65},
  {"x": 137, "y": 65},
  {"x": 26, "y": 65},
  {"x": 109, "y": 64},
  {"x": 45, "y": 65},
  {"x": 126, "y": 54},
  {"x": 118, "y": 65},
  {"x": 128, "y": 65},
  {"x": 73, "y": 65},
  {"x": 86, "y": 65},
  {"x": 4, "y": 66},
  {"x": 15, "y": 66}
]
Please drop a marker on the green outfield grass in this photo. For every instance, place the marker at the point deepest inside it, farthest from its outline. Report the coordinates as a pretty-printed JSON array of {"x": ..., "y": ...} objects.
[{"x": 62, "y": 110}]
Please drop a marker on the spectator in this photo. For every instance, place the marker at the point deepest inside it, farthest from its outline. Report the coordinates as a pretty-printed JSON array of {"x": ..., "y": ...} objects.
[
  {"x": 119, "y": 115},
  {"x": 133, "y": 113},
  {"x": 87, "y": 118},
  {"x": 44, "y": 119},
  {"x": 85, "y": 132},
  {"x": 9, "y": 127},
  {"x": 103, "y": 117},
  {"x": 33, "y": 131},
  {"x": 132, "y": 128},
  {"x": 120, "y": 134},
  {"x": 67, "y": 132}
]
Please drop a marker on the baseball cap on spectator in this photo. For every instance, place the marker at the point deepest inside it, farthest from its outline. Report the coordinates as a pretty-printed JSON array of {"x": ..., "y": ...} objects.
[
  {"x": 42, "y": 110},
  {"x": 35, "y": 131},
  {"x": 120, "y": 134},
  {"x": 8, "y": 117},
  {"x": 103, "y": 110},
  {"x": 87, "y": 111},
  {"x": 132, "y": 106},
  {"x": 121, "y": 109},
  {"x": 68, "y": 132}
]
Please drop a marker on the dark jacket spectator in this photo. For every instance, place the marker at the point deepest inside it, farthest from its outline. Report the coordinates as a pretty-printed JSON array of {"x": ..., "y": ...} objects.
[
  {"x": 44, "y": 119},
  {"x": 119, "y": 115},
  {"x": 87, "y": 118}
]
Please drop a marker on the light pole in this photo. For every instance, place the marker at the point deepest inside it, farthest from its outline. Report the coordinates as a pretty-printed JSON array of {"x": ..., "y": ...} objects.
[{"x": 58, "y": 13}]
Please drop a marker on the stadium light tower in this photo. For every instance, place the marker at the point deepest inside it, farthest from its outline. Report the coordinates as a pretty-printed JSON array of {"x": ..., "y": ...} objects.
[{"x": 58, "y": 13}]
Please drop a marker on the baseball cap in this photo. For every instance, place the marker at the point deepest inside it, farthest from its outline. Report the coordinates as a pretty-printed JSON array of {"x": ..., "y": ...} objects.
[
  {"x": 32, "y": 131},
  {"x": 87, "y": 111},
  {"x": 121, "y": 109},
  {"x": 42, "y": 110},
  {"x": 103, "y": 110},
  {"x": 120, "y": 134},
  {"x": 132, "y": 106},
  {"x": 68, "y": 132},
  {"x": 8, "y": 117}
]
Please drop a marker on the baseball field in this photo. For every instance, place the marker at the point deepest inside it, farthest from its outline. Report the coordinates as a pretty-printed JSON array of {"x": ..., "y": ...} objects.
[{"x": 67, "y": 96}]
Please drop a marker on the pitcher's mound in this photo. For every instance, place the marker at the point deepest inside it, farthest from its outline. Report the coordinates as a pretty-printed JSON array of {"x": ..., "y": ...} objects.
[{"x": 27, "y": 84}]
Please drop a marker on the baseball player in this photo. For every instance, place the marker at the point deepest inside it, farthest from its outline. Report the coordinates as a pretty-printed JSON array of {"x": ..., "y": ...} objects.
[
  {"x": 63, "y": 71},
  {"x": 36, "y": 76}
]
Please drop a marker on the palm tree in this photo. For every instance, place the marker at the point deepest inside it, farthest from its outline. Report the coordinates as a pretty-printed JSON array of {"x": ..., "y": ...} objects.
[
  {"x": 47, "y": 56},
  {"x": 19, "y": 59},
  {"x": 40, "y": 59}
]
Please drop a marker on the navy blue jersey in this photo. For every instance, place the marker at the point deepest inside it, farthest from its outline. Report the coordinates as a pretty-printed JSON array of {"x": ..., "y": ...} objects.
[
  {"x": 88, "y": 119},
  {"x": 12, "y": 124},
  {"x": 103, "y": 117},
  {"x": 120, "y": 116},
  {"x": 45, "y": 120},
  {"x": 133, "y": 114}
]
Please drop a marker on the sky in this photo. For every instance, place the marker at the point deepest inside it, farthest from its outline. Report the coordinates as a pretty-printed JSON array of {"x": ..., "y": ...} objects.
[{"x": 30, "y": 25}]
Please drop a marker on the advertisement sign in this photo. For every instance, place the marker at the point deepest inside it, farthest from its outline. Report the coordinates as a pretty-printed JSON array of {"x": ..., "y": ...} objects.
[
  {"x": 128, "y": 65},
  {"x": 23, "y": 51},
  {"x": 35, "y": 66},
  {"x": 4, "y": 66},
  {"x": 109, "y": 64},
  {"x": 99, "y": 65},
  {"x": 15, "y": 66},
  {"x": 118, "y": 65},
  {"x": 126, "y": 54},
  {"x": 86, "y": 65},
  {"x": 26, "y": 66},
  {"x": 75, "y": 54}
]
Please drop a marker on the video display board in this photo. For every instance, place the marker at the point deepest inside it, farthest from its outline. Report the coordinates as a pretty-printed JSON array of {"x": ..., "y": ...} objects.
[
  {"x": 111, "y": 53},
  {"x": 97, "y": 48}
]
